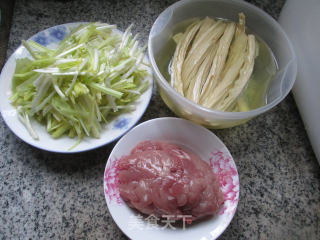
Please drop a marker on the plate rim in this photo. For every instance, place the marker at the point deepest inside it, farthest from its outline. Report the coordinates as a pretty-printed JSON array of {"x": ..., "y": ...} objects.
[{"x": 93, "y": 146}]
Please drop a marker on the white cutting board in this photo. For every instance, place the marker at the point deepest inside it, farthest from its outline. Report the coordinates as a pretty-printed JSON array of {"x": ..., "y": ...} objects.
[{"x": 301, "y": 21}]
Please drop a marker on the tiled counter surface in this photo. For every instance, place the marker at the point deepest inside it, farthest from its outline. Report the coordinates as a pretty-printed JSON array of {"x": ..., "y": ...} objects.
[{"x": 53, "y": 196}]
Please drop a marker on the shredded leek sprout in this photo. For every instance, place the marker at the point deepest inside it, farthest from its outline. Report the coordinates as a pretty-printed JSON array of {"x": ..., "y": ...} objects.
[{"x": 94, "y": 74}]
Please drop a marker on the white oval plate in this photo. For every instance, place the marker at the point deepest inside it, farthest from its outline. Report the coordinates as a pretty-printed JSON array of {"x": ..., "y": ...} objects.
[
  {"x": 197, "y": 139},
  {"x": 112, "y": 131}
]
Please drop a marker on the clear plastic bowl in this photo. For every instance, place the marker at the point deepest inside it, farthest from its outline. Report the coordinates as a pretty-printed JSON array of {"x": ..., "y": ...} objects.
[{"x": 258, "y": 21}]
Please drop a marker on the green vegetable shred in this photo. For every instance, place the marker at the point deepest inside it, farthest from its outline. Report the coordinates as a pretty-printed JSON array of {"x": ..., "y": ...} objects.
[{"x": 94, "y": 74}]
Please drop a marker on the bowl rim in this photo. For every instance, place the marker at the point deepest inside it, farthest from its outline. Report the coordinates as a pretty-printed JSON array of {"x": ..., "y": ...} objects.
[
  {"x": 221, "y": 114},
  {"x": 199, "y": 128}
]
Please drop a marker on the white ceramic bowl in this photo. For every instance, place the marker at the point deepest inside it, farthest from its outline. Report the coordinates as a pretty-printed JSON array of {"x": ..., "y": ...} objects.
[
  {"x": 198, "y": 140},
  {"x": 257, "y": 20},
  {"x": 112, "y": 131}
]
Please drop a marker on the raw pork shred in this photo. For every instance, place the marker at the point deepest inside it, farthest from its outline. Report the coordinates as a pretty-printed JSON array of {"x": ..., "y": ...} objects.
[{"x": 162, "y": 179}]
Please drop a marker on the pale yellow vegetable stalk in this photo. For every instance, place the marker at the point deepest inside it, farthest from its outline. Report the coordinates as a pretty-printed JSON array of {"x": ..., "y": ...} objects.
[
  {"x": 180, "y": 54},
  {"x": 240, "y": 42},
  {"x": 238, "y": 45},
  {"x": 197, "y": 51},
  {"x": 243, "y": 78},
  {"x": 196, "y": 84},
  {"x": 242, "y": 24},
  {"x": 231, "y": 67},
  {"x": 213, "y": 63},
  {"x": 221, "y": 91},
  {"x": 206, "y": 23},
  {"x": 229, "y": 73},
  {"x": 219, "y": 60}
]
